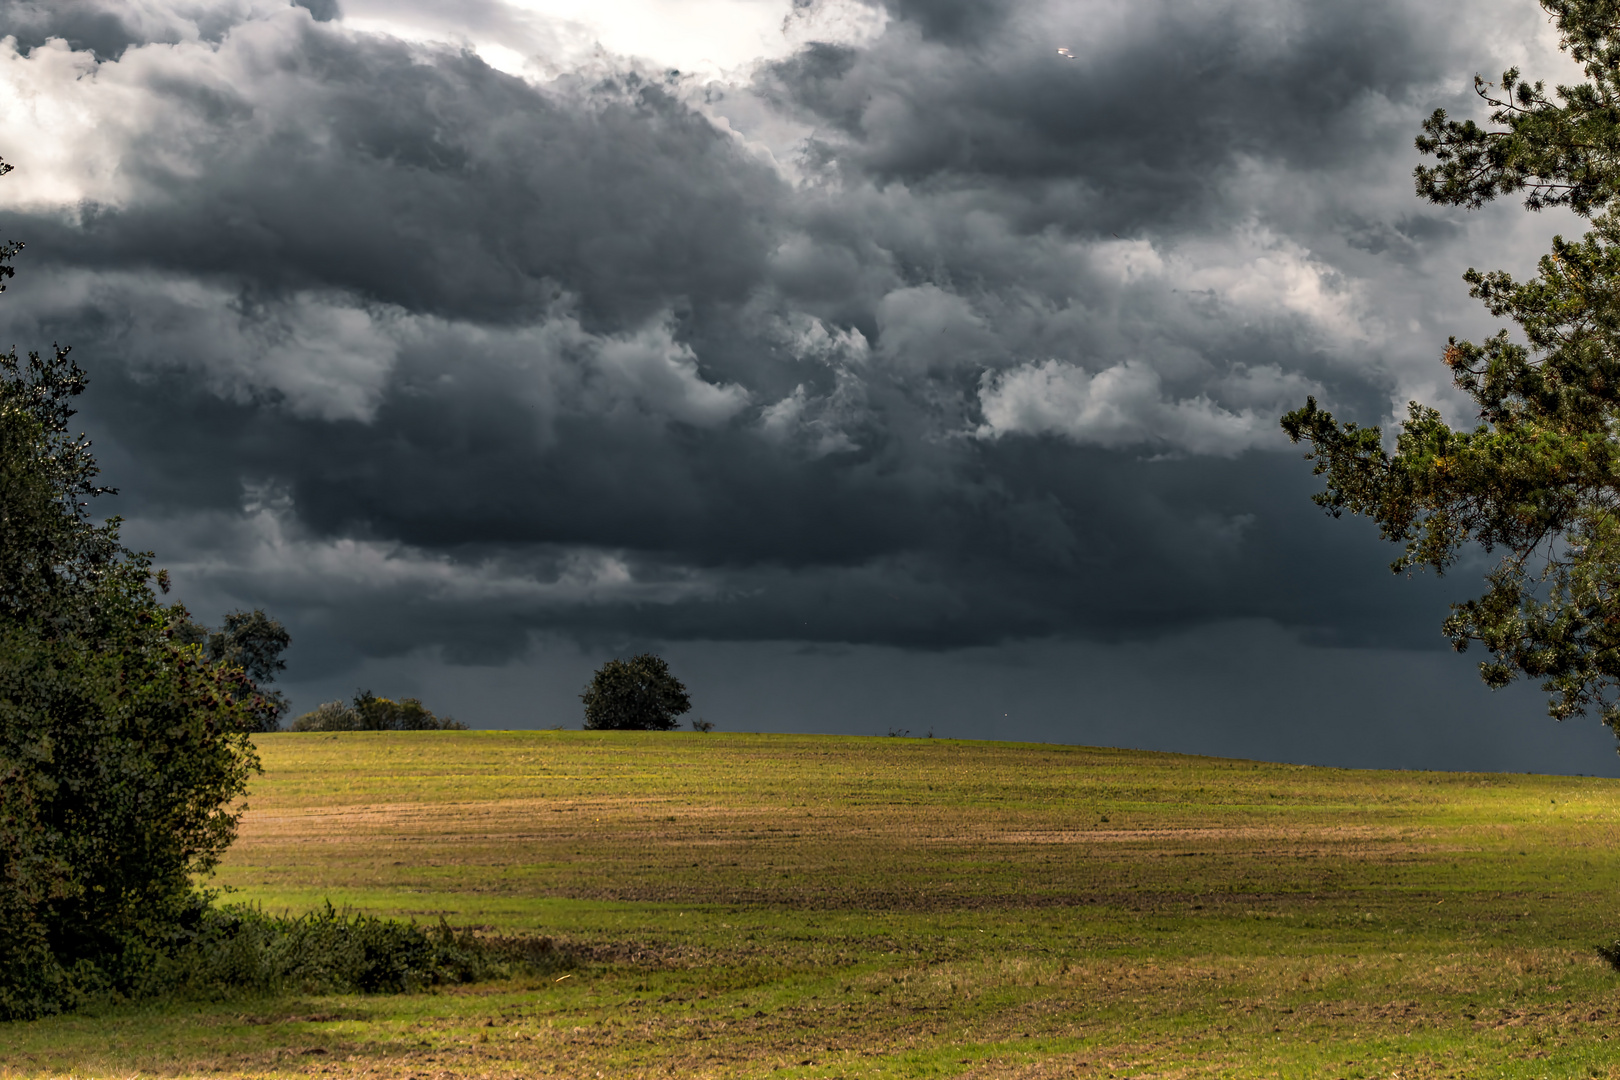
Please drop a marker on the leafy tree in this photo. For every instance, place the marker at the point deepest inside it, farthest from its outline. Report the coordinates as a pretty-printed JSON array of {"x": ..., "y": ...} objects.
[
  {"x": 638, "y": 694},
  {"x": 122, "y": 749},
  {"x": 1537, "y": 479},
  {"x": 381, "y": 714},
  {"x": 53, "y": 559},
  {"x": 252, "y": 641}
]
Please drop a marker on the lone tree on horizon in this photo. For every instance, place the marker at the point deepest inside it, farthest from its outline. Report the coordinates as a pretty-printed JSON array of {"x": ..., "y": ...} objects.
[
  {"x": 638, "y": 694},
  {"x": 1538, "y": 478}
]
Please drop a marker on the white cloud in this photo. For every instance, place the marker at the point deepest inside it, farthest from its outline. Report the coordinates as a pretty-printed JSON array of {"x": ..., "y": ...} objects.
[
  {"x": 809, "y": 338},
  {"x": 540, "y": 37},
  {"x": 330, "y": 356},
  {"x": 659, "y": 374},
  {"x": 819, "y": 423},
  {"x": 1120, "y": 407},
  {"x": 265, "y": 548},
  {"x": 71, "y": 122},
  {"x": 60, "y": 123},
  {"x": 1169, "y": 391},
  {"x": 1250, "y": 271},
  {"x": 321, "y": 354}
]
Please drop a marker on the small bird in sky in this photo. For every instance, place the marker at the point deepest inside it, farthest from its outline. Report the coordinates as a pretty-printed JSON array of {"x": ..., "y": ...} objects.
[{"x": 1068, "y": 54}]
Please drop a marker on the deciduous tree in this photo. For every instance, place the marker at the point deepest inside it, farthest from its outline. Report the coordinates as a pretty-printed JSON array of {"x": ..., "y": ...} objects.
[
  {"x": 638, "y": 694},
  {"x": 252, "y": 641},
  {"x": 122, "y": 750}
]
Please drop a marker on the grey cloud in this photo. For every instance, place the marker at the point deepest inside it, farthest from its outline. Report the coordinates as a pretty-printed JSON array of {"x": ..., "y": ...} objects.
[
  {"x": 108, "y": 27},
  {"x": 421, "y": 177},
  {"x": 959, "y": 22},
  {"x": 1144, "y": 130},
  {"x": 428, "y": 357}
]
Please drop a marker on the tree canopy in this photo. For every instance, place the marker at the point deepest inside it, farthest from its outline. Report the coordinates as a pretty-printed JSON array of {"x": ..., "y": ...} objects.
[
  {"x": 638, "y": 694},
  {"x": 1537, "y": 479},
  {"x": 252, "y": 641}
]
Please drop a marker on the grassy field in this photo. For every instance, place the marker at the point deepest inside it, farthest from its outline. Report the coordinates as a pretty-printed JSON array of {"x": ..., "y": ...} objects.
[{"x": 805, "y": 906}]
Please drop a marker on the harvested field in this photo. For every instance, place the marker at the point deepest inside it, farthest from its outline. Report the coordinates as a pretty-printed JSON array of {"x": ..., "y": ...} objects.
[{"x": 800, "y": 906}]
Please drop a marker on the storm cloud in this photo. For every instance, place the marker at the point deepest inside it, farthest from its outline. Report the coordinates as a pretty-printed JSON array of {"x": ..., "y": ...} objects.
[{"x": 925, "y": 338}]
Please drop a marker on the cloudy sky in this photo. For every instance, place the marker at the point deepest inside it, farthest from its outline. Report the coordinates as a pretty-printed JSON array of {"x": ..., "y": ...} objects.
[{"x": 876, "y": 363}]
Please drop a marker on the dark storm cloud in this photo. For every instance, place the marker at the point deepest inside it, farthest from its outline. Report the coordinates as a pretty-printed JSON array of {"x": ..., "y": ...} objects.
[
  {"x": 424, "y": 355},
  {"x": 427, "y": 180},
  {"x": 1159, "y": 108}
]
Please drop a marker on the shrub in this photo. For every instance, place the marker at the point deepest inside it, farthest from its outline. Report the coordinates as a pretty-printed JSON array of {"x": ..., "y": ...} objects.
[
  {"x": 332, "y": 716},
  {"x": 119, "y": 761},
  {"x": 327, "y": 951},
  {"x": 638, "y": 694},
  {"x": 368, "y": 712}
]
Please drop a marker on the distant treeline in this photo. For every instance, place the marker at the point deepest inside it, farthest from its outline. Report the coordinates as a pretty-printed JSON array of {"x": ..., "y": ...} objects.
[{"x": 368, "y": 712}]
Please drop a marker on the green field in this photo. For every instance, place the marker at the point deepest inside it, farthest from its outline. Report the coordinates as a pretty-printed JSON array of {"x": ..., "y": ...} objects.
[{"x": 809, "y": 906}]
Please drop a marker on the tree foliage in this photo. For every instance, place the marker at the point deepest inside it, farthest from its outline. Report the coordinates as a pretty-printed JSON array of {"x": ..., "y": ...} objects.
[
  {"x": 1561, "y": 149},
  {"x": 368, "y": 712},
  {"x": 1537, "y": 479},
  {"x": 251, "y": 641},
  {"x": 638, "y": 694},
  {"x": 53, "y": 559},
  {"x": 122, "y": 749}
]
